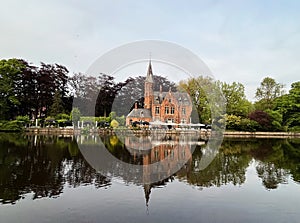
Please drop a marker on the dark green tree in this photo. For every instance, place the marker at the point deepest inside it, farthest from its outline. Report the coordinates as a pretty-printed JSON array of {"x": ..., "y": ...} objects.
[
  {"x": 57, "y": 106},
  {"x": 289, "y": 106}
]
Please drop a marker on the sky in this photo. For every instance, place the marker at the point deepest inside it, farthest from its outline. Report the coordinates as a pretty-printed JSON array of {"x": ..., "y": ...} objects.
[{"x": 242, "y": 41}]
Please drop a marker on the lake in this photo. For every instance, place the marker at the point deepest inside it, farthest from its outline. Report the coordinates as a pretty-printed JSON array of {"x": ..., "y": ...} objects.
[{"x": 147, "y": 179}]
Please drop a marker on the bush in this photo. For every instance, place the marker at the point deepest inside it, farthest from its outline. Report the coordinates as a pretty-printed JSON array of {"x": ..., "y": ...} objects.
[
  {"x": 114, "y": 123},
  {"x": 294, "y": 129},
  {"x": 75, "y": 115},
  {"x": 25, "y": 119},
  {"x": 103, "y": 119},
  {"x": 232, "y": 122},
  {"x": 13, "y": 126},
  {"x": 62, "y": 116},
  {"x": 248, "y": 125},
  {"x": 112, "y": 115}
]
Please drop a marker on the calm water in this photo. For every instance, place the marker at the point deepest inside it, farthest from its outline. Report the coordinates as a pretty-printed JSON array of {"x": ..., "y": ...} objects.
[{"x": 52, "y": 179}]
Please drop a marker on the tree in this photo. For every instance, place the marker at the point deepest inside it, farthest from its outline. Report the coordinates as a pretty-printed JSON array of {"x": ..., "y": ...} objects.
[
  {"x": 57, "y": 106},
  {"x": 10, "y": 75},
  {"x": 75, "y": 115},
  {"x": 197, "y": 90},
  {"x": 50, "y": 79},
  {"x": 269, "y": 90},
  {"x": 289, "y": 106},
  {"x": 236, "y": 102}
]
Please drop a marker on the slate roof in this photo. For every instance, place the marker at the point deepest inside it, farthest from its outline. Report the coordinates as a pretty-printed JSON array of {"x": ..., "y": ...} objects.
[
  {"x": 182, "y": 98},
  {"x": 140, "y": 113}
]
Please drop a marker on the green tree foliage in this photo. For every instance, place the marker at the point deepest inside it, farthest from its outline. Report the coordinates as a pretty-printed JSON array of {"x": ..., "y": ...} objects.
[
  {"x": 268, "y": 91},
  {"x": 289, "y": 106},
  {"x": 198, "y": 88},
  {"x": 236, "y": 102},
  {"x": 239, "y": 123},
  {"x": 75, "y": 115},
  {"x": 57, "y": 106},
  {"x": 276, "y": 120},
  {"x": 10, "y": 75}
]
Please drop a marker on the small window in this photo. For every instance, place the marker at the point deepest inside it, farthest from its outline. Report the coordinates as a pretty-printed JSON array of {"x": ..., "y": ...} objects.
[
  {"x": 183, "y": 121},
  {"x": 166, "y": 110},
  {"x": 156, "y": 110},
  {"x": 183, "y": 111},
  {"x": 170, "y": 100},
  {"x": 156, "y": 154},
  {"x": 172, "y": 110}
]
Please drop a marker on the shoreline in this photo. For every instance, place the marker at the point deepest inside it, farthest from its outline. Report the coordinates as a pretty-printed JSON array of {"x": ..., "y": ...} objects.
[{"x": 227, "y": 134}]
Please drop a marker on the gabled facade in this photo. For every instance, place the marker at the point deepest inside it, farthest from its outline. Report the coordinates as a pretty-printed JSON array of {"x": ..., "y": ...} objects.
[{"x": 168, "y": 107}]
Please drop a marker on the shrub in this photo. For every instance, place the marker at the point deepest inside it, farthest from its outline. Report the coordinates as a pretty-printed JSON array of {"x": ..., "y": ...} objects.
[
  {"x": 75, "y": 115},
  {"x": 114, "y": 123},
  {"x": 62, "y": 116},
  {"x": 11, "y": 126},
  {"x": 25, "y": 119},
  {"x": 232, "y": 122},
  {"x": 248, "y": 125},
  {"x": 263, "y": 119}
]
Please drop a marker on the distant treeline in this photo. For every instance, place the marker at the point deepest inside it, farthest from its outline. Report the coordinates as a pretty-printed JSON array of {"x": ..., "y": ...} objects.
[{"x": 50, "y": 90}]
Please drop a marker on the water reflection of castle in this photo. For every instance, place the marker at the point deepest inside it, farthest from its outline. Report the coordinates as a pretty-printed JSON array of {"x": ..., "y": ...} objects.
[
  {"x": 148, "y": 161},
  {"x": 170, "y": 153}
]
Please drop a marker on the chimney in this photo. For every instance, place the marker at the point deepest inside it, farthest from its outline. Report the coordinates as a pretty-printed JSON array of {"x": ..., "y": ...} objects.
[
  {"x": 135, "y": 105},
  {"x": 160, "y": 89}
]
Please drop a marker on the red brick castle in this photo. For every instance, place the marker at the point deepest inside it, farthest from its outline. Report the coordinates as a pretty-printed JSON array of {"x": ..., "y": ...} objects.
[{"x": 167, "y": 107}]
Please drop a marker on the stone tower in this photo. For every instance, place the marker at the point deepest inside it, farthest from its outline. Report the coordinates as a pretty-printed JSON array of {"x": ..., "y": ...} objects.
[{"x": 148, "y": 88}]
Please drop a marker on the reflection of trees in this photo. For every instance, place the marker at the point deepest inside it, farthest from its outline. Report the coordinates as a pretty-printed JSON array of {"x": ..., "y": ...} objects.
[
  {"x": 291, "y": 150},
  {"x": 41, "y": 165},
  {"x": 277, "y": 160},
  {"x": 229, "y": 166},
  {"x": 271, "y": 175}
]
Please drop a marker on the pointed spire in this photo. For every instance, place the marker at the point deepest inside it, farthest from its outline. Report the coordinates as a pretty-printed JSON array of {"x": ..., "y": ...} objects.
[
  {"x": 147, "y": 190},
  {"x": 149, "y": 77}
]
